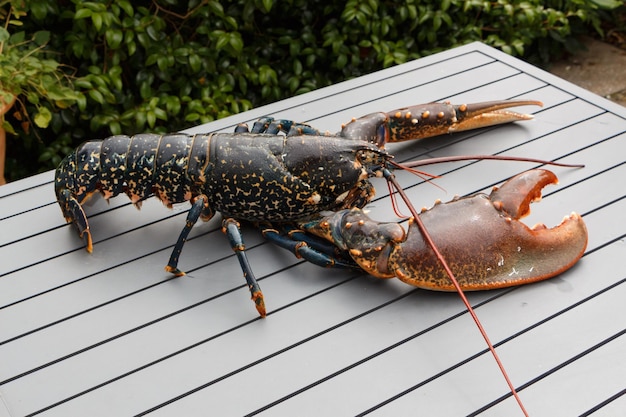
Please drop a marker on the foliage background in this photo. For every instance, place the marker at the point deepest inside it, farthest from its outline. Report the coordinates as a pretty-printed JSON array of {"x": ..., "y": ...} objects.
[{"x": 164, "y": 65}]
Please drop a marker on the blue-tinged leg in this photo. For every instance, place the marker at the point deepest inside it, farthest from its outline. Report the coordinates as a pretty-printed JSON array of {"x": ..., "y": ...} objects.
[
  {"x": 273, "y": 126},
  {"x": 231, "y": 228},
  {"x": 199, "y": 206},
  {"x": 309, "y": 248}
]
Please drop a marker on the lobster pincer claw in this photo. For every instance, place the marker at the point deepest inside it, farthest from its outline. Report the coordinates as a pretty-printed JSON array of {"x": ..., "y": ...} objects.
[
  {"x": 480, "y": 237},
  {"x": 433, "y": 119}
]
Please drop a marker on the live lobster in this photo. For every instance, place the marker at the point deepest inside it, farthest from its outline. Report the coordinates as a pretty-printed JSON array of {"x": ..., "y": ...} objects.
[
  {"x": 306, "y": 191},
  {"x": 289, "y": 181}
]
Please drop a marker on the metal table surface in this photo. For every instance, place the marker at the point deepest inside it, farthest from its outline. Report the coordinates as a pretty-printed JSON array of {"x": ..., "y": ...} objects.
[{"x": 111, "y": 333}]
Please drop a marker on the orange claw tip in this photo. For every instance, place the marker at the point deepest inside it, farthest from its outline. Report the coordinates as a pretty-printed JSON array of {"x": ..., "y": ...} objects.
[
  {"x": 490, "y": 113},
  {"x": 177, "y": 272},
  {"x": 259, "y": 302},
  {"x": 88, "y": 242}
]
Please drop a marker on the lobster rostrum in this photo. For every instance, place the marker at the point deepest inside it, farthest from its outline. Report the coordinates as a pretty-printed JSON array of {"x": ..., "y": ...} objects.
[{"x": 290, "y": 180}]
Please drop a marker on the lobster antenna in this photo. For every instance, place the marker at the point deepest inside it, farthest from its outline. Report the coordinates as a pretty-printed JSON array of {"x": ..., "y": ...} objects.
[
  {"x": 425, "y": 176},
  {"x": 392, "y": 180},
  {"x": 431, "y": 161},
  {"x": 394, "y": 201}
]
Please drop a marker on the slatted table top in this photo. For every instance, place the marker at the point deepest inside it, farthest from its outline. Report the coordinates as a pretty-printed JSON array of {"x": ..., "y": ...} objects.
[{"x": 111, "y": 333}]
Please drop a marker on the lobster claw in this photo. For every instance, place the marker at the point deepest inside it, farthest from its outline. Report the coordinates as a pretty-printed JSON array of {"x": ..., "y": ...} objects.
[
  {"x": 486, "y": 245},
  {"x": 480, "y": 236},
  {"x": 432, "y": 119}
]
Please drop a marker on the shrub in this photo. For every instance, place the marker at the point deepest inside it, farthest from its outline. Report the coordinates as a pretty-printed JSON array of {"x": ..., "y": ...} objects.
[{"x": 164, "y": 65}]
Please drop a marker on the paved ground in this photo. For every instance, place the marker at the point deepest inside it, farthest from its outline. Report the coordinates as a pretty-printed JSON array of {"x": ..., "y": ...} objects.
[{"x": 600, "y": 69}]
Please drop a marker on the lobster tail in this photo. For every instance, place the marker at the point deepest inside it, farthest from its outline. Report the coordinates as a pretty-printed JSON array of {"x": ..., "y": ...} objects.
[
  {"x": 139, "y": 166},
  {"x": 71, "y": 192}
]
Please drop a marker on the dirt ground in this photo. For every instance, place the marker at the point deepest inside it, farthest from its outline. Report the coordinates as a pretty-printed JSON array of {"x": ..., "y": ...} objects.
[{"x": 601, "y": 68}]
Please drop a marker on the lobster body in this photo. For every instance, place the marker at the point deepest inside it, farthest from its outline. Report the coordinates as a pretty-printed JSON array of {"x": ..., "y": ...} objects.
[{"x": 254, "y": 177}]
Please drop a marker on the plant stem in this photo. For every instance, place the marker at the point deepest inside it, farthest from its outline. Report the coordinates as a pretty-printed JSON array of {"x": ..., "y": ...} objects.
[{"x": 3, "y": 141}]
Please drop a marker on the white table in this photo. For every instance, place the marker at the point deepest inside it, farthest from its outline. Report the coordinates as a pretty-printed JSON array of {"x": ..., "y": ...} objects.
[{"x": 111, "y": 333}]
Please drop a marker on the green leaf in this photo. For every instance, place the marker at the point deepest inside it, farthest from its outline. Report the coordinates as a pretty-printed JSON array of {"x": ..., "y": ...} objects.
[
  {"x": 192, "y": 117},
  {"x": 172, "y": 105},
  {"x": 151, "y": 118},
  {"x": 222, "y": 40},
  {"x": 132, "y": 48},
  {"x": 236, "y": 42},
  {"x": 41, "y": 37},
  {"x": 81, "y": 102},
  {"x": 195, "y": 62},
  {"x": 127, "y": 7},
  {"x": 115, "y": 128},
  {"x": 96, "y": 19},
  {"x": 297, "y": 67},
  {"x": 96, "y": 96},
  {"x": 607, "y": 4},
  {"x": 17, "y": 37},
  {"x": 348, "y": 14},
  {"x": 160, "y": 114},
  {"x": 43, "y": 117},
  {"x": 294, "y": 83},
  {"x": 4, "y": 34},
  {"x": 243, "y": 85},
  {"x": 38, "y": 9},
  {"x": 230, "y": 21},
  {"x": 163, "y": 63},
  {"x": 267, "y": 5},
  {"x": 436, "y": 21},
  {"x": 114, "y": 38},
  {"x": 82, "y": 14},
  {"x": 153, "y": 33},
  {"x": 145, "y": 90},
  {"x": 8, "y": 128},
  {"x": 341, "y": 61},
  {"x": 32, "y": 97},
  {"x": 59, "y": 93},
  {"x": 215, "y": 7},
  {"x": 140, "y": 119}
]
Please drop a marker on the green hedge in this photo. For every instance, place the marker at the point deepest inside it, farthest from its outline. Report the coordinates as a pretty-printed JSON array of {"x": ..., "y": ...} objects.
[{"x": 165, "y": 65}]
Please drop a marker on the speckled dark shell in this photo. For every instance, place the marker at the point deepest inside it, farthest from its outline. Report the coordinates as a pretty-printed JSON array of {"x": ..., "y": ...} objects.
[{"x": 248, "y": 176}]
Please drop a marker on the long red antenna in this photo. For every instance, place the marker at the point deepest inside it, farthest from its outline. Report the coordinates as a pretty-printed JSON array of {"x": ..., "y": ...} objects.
[
  {"x": 392, "y": 179},
  {"x": 431, "y": 161}
]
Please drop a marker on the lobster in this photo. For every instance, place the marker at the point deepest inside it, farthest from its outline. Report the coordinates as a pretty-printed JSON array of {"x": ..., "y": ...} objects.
[
  {"x": 259, "y": 176},
  {"x": 306, "y": 190}
]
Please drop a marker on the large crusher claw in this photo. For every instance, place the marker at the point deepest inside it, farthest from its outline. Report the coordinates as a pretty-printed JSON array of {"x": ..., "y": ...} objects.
[{"x": 480, "y": 236}]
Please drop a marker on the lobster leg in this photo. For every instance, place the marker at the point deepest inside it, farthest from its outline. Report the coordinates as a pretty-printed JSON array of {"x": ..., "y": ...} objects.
[
  {"x": 273, "y": 126},
  {"x": 199, "y": 207},
  {"x": 231, "y": 228},
  {"x": 310, "y": 248}
]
